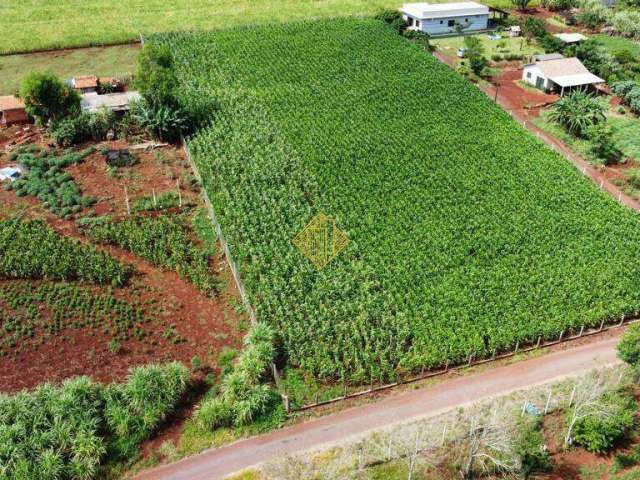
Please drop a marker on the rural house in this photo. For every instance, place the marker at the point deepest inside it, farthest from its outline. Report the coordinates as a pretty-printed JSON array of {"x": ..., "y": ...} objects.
[
  {"x": 116, "y": 102},
  {"x": 12, "y": 111},
  {"x": 558, "y": 74},
  {"x": 86, "y": 84},
  {"x": 443, "y": 18}
]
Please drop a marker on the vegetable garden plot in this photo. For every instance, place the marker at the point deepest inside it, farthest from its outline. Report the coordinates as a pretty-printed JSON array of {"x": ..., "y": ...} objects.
[{"x": 466, "y": 234}]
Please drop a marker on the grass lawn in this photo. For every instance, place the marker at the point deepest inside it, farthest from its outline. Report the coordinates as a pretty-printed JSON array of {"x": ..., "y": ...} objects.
[
  {"x": 450, "y": 45},
  {"x": 49, "y": 24},
  {"x": 104, "y": 61},
  {"x": 626, "y": 133},
  {"x": 616, "y": 43}
]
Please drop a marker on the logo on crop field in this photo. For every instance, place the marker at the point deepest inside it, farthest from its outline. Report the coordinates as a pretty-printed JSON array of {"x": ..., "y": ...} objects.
[{"x": 321, "y": 240}]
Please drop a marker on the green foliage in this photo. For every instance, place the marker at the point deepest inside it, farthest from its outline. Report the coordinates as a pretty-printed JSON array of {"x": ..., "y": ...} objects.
[
  {"x": 76, "y": 129},
  {"x": 629, "y": 91},
  {"x": 558, "y": 5},
  {"x": 593, "y": 13},
  {"x": 393, "y": 18},
  {"x": 531, "y": 448},
  {"x": 629, "y": 345},
  {"x": 165, "y": 241},
  {"x": 155, "y": 77},
  {"x": 474, "y": 52},
  {"x": 598, "y": 433},
  {"x": 602, "y": 144},
  {"x": 46, "y": 179},
  {"x": 165, "y": 123},
  {"x": 625, "y": 460},
  {"x": 46, "y": 97},
  {"x": 578, "y": 112},
  {"x": 53, "y": 308},
  {"x": 163, "y": 201},
  {"x": 67, "y": 432},
  {"x": 30, "y": 249},
  {"x": 243, "y": 397},
  {"x": 521, "y": 4},
  {"x": 463, "y": 227}
]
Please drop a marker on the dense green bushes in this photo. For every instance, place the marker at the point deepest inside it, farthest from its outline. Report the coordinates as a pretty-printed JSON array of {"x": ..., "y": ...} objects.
[
  {"x": 67, "y": 432},
  {"x": 73, "y": 130},
  {"x": 629, "y": 91},
  {"x": 242, "y": 396},
  {"x": 629, "y": 345},
  {"x": 165, "y": 241},
  {"x": 47, "y": 98},
  {"x": 46, "y": 179},
  {"x": 598, "y": 432},
  {"x": 577, "y": 112},
  {"x": 30, "y": 249}
]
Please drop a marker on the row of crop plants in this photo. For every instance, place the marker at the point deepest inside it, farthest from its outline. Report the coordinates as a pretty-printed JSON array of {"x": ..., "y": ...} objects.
[{"x": 466, "y": 234}]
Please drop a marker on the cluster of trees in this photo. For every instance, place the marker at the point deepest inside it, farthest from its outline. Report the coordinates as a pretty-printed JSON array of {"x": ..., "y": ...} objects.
[
  {"x": 53, "y": 103},
  {"x": 583, "y": 115}
]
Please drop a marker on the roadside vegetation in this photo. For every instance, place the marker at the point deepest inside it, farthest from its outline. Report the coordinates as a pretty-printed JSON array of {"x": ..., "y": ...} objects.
[
  {"x": 583, "y": 427},
  {"x": 75, "y": 431}
]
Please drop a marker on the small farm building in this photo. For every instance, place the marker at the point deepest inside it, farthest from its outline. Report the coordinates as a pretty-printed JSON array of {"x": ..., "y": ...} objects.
[
  {"x": 443, "y": 18},
  {"x": 12, "y": 111},
  {"x": 86, "y": 84},
  {"x": 116, "y": 102},
  {"x": 570, "y": 37},
  {"x": 559, "y": 74}
]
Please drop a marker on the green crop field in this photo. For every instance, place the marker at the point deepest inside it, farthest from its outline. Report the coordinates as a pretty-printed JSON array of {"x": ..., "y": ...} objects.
[
  {"x": 466, "y": 233},
  {"x": 49, "y": 24}
]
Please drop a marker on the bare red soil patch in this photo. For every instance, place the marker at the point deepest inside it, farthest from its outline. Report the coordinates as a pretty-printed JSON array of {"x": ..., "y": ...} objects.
[{"x": 183, "y": 321}]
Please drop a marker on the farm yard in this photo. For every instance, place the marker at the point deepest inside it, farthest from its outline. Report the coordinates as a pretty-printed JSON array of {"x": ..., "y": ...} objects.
[
  {"x": 451, "y": 233},
  {"x": 464, "y": 250}
]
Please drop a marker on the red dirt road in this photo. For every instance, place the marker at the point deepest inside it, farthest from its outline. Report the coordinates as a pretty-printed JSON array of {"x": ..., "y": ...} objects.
[{"x": 217, "y": 463}]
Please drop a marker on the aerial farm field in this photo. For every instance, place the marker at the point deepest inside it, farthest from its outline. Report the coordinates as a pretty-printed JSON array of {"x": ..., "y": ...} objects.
[
  {"x": 85, "y": 288},
  {"x": 46, "y": 24},
  {"x": 466, "y": 234}
]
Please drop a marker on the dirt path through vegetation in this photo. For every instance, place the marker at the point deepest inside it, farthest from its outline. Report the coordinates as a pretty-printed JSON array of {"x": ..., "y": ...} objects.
[{"x": 430, "y": 401}]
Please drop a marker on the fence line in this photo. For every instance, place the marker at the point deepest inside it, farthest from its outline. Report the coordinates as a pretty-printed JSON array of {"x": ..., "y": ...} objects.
[
  {"x": 539, "y": 344},
  {"x": 223, "y": 242}
]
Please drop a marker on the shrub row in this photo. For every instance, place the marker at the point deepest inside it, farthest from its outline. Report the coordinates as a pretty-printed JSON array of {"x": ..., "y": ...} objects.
[
  {"x": 69, "y": 431},
  {"x": 30, "y": 249}
]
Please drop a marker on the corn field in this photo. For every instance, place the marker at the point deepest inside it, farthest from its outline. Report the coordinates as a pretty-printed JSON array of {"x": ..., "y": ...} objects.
[{"x": 467, "y": 234}]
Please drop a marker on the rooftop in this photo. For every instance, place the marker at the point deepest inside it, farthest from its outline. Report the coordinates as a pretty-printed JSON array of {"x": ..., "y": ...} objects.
[
  {"x": 567, "y": 72},
  {"x": 543, "y": 57},
  {"x": 11, "y": 103},
  {"x": 570, "y": 37},
  {"x": 88, "y": 81},
  {"x": 111, "y": 101},
  {"x": 437, "y": 10}
]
